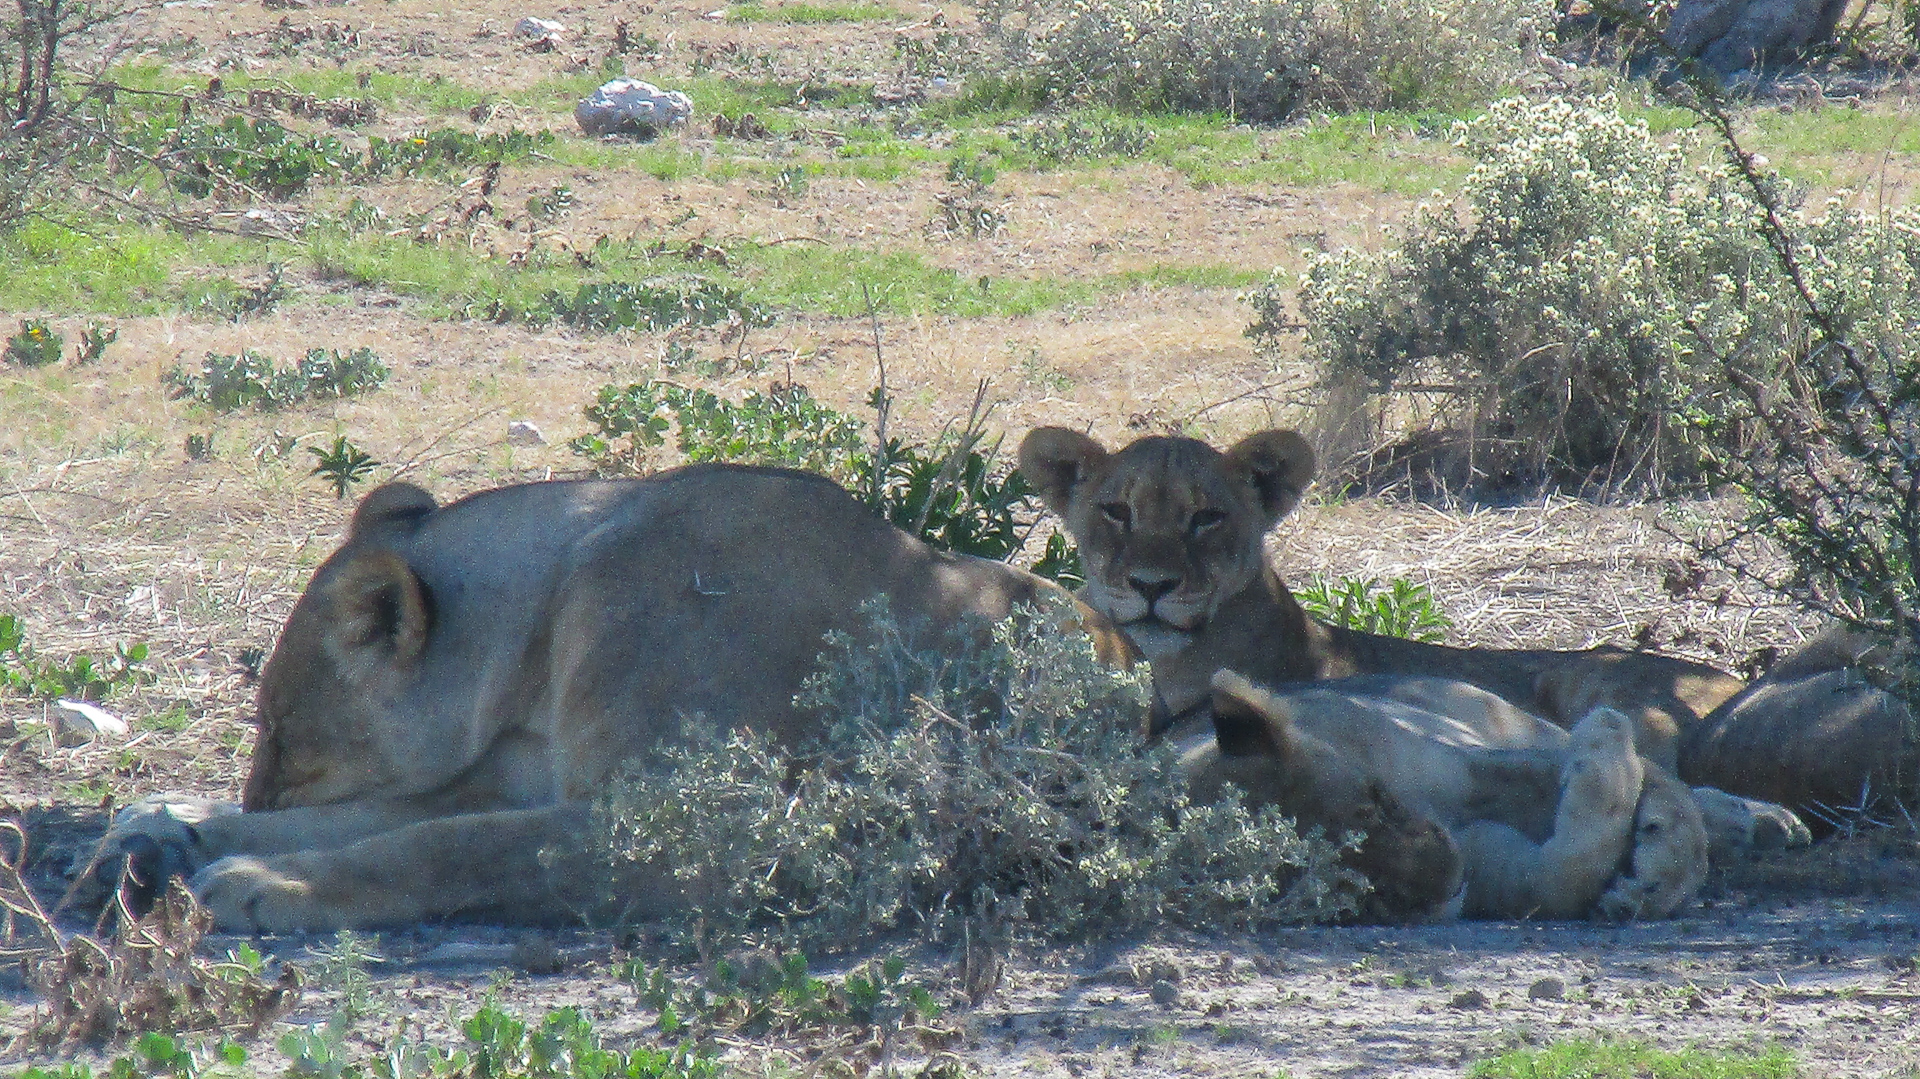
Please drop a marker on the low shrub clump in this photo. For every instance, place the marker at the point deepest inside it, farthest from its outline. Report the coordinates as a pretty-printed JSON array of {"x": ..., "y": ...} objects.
[
  {"x": 225, "y": 382},
  {"x": 950, "y": 494},
  {"x": 1579, "y": 318},
  {"x": 1267, "y": 60},
  {"x": 990, "y": 784}
]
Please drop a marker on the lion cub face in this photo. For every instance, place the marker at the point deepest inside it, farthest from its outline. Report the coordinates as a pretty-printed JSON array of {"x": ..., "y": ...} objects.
[{"x": 1169, "y": 528}]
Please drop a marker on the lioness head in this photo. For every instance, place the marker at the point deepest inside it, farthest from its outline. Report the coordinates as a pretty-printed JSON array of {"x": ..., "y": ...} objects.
[
  {"x": 346, "y": 651},
  {"x": 1169, "y": 528},
  {"x": 1410, "y": 859}
]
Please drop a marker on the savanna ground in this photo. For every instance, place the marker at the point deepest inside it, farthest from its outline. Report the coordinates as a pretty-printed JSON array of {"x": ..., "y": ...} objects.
[{"x": 1106, "y": 297}]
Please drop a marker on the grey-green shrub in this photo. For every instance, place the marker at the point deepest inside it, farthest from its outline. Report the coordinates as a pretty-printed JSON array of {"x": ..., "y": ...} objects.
[
  {"x": 1563, "y": 302},
  {"x": 1266, "y": 60},
  {"x": 964, "y": 779}
]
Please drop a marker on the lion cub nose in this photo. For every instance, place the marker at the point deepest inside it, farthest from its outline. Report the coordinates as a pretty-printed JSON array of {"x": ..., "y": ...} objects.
[{"x": 1153, "y": 586}]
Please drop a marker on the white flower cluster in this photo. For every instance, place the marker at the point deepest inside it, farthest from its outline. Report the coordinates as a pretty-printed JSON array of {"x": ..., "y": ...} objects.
[
  {"x": 1264, "y": 60},
  {"x": 1585, "y": 292}
]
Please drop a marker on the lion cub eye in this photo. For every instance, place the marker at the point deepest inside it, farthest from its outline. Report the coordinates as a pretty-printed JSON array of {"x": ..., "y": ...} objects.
[
  {"x": 1117, "y": 512},
  {"x": 1204, "y": 519}
]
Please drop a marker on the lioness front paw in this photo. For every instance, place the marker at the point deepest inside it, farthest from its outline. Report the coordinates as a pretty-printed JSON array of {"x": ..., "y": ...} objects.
[
  {"x": 149, "y": 843},
  {"x": 256, "y": 895}
]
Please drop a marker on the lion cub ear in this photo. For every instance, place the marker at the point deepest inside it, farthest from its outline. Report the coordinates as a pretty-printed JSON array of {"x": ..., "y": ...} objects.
[
  {"x": 1247, "y": 721},
  {"x": 1278, "y": 464},
  {"x": 1056, "y": 460},
  {"x": 380, "y": 614}
]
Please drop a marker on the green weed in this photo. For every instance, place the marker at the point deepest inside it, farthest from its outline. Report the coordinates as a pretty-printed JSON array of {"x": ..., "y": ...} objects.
[
  {"x": 36, "y": 345},
  {"x": 341, "y": 465},
  {"x": 24, "y": 671},
  {"x": 225, "y": 383},
  {"x": 765, "y": 995},
  {"x": 1401, "y": 609}
]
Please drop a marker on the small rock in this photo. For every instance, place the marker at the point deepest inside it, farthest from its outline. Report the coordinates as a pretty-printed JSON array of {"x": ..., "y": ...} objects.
[
  {"x": 1470, "y": 1001},
  {"x": 537, "y": 955},
  {"x": 524, "y": 433},
  {"x": 630, "y": 107},
  {"x": 1548, "y": 988},
  {"x": 534, "y": 29},
  {"x": 83, "y": 721},
  {"x": 1164, "y": 993}
]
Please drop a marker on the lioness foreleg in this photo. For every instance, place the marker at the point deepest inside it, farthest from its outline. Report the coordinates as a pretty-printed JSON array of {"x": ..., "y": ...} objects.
[{"x": 512, "y": 864}]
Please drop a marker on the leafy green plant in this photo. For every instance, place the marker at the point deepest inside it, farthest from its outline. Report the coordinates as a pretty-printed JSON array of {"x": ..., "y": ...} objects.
[
  {"x": 341, "y": 465},
  {"x": 255, "y": 155},
  {"x": 775, "y": 994},
  {"x": 972, "y": 783},
  {"x": 556, "y": 202},
  {"x": 1071, "y": 138},
  {"x": 343, "y": 967},
  {"x": 441, "y": 149},
  {"x": 225, "y": 382},
  {"x": 1401, "y": 609},
  {"x": 24, "y": 671},
  {"x": 949, "y": 494},
  {"x": 964, "y": 206},
  {"x": 36, "y": 345},
  {"x": 94, "y": 341},
  {"x": 656, "y": 305},
  {"x": 784, "y": 426}
]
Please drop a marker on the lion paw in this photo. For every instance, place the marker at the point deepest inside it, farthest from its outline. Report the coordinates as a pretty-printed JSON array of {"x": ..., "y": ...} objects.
[
  {"x": 149, "y": 843},
  {"x": 255, "y": 895},
  {"x": 1739, "y": 827}
]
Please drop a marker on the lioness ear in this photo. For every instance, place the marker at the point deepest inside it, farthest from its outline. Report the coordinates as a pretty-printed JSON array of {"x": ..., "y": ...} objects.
[
  {"x": 1245, "y": 721},
  {"x": 380, "y": 613},
  {"x": 1279, "y": 465},
  {"x": 391, "y": 507},
  {"x": 1055, "y": 460}
]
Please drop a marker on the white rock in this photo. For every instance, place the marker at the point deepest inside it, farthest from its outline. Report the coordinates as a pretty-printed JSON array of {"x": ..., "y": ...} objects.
[
  {"x": 84, "y": 721},
  {"x": 631, "y": 107},
  {"x": 524, "y": 433},
  {"x": 534, "y": 29}
]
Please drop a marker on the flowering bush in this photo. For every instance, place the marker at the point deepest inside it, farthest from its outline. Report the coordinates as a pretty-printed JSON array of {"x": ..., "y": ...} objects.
[
  {"x": 1554, "y": 315},
  {"x": 1265, "y": 60}
]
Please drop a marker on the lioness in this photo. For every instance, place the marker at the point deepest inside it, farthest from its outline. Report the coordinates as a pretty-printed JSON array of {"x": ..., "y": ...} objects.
[
  {"x": 457, "y": 682},
  {"x": 1171, "y": 530},
  {"x": 1544, "y": 821}
]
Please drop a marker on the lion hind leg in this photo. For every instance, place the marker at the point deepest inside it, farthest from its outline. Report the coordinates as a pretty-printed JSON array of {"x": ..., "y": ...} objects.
[{"x": 1511, "y": 876}]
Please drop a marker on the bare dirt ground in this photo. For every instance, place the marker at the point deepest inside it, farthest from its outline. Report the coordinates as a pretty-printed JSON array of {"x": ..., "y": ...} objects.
[{"x": 109, "y": 533}]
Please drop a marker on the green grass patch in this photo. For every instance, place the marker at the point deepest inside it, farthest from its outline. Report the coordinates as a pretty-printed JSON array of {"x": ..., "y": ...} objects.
[
  {"x": 808, "y": 14},
  {"x": 824, "y": 280},
  {"x": 48, "y": 267},
  {"x": 1584, "y": 1059}
]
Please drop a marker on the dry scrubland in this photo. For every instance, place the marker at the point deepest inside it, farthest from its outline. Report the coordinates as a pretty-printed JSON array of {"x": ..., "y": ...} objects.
[{"x": 1107, "y": 297}]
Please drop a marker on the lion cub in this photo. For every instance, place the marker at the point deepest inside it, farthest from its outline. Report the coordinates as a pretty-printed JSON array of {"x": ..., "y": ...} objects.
[{"x": 1544, "y": 822}]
